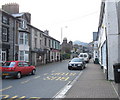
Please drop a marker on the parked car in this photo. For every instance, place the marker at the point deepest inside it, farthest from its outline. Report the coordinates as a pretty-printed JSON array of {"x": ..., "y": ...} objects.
[
  {"x": 84, "y": 56},
  {"x": 76, "y": 63},
  {"x": 16, "y": 69}
]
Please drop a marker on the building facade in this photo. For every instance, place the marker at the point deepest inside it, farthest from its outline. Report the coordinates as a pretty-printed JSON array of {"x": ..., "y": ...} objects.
[
  {"x": 95, "y": 46},
  {"x": 108, "y": 36},
  {"x": 36, "y": 46},
  {"x": 0, "y": 36},
  {"x": 22, "y": 41},
  {"x": 8, "y": 33}
]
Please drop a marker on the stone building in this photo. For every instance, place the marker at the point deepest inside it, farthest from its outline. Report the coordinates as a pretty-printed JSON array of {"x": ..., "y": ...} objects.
[
  {"x": 66, "y": 47},
  {"x": 8, "y": 36},
  {"x": 22, "y": 41}
]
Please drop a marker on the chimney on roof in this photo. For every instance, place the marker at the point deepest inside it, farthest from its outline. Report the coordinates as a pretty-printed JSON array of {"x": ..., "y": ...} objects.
[
  {"x": 12, "y": 8},
  {"x": 46, "y": 32}
]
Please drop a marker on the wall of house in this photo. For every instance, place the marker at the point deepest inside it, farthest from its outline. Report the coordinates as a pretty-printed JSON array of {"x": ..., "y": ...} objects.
[
  {"x": 11, "y": 38},
  {"x": 0, "y": 35},
  {"x": 109, "y": 27},
  {"x": 112, "y": 32}
]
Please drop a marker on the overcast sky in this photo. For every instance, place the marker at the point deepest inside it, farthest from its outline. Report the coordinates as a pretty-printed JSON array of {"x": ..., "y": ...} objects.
[{"x": 77, "y": 18}]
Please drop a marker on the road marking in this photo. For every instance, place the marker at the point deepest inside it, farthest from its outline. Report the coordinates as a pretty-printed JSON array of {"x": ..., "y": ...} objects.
[
  {"x": 72, "y": 74},
  {"x": 64, "y": 90},
  {"x": 20, "y": 98},
  {"x": 24, "y": 82},
  {"x": 4, "y": 96},
  {"x": 46, "y": 74},
  {"x": 11, "y": 98},
  {"x": 36, "y": 77},
  {"x": 5, "y": 88}
]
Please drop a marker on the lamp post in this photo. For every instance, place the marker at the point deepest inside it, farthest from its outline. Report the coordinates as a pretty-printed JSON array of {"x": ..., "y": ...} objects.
[{"x": 62, "y": 32}]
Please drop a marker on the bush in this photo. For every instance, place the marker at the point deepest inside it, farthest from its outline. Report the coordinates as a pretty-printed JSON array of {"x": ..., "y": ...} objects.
[{"x": 65, "y": 56}]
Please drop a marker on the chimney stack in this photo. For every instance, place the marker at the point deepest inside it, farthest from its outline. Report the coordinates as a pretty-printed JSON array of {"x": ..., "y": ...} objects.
[{"x": 12, "y": 8}]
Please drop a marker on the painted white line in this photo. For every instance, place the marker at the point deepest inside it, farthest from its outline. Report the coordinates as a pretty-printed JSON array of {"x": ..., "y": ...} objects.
[
  {"x": 36, "y": 77},
  {"x": 63, "y": 91},
  {"x": 5, "y": 88},
  {"x": 24, "y": 82},
  {"x": 115, "y": 90}
]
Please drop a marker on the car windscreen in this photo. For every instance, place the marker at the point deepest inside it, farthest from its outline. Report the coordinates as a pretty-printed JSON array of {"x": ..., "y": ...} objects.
[
  {"x": 8, "y": 64},
  {"x": 76, "y": 60}
]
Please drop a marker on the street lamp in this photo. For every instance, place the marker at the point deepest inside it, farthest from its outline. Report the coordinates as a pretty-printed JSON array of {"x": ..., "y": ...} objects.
[{"x": 62, "y": 32}]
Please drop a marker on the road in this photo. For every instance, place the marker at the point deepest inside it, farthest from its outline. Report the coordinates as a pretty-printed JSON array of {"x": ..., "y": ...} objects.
[{"x": 46, "y": 83}]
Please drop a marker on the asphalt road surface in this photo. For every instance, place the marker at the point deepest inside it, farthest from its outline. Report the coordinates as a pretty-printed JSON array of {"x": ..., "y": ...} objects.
[{"x": 46, "y": 83}]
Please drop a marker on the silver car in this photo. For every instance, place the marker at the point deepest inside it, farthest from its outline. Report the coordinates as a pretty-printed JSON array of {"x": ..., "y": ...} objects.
[{"x": 76, "y": 63}]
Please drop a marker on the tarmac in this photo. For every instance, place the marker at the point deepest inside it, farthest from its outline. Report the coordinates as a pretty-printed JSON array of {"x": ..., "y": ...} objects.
[{"x": 92, "y": 84}]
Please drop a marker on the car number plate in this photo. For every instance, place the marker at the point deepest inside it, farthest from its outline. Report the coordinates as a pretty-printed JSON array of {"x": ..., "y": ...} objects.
[
  {"x": 5, "y": 74},
  {"x": 74, "y": 66}
]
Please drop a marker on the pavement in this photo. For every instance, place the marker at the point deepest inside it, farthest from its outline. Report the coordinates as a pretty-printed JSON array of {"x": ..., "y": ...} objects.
[{"x": 92, "y": 84}]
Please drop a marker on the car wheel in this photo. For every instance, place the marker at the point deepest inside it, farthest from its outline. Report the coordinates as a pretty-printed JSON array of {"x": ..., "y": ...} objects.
[
  {"x": 33, "y": 72},
  {"x": 3, "y": 77},
  {"x": 70, "y": 68},
  {"x": 18, "y": 76}
]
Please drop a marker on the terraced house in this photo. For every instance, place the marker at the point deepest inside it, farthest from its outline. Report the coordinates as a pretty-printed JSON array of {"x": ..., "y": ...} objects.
[
  {"x": 22, "y": 41},
  {"x": 7, "y": 36},
  {"x": 44, "y": 48}
]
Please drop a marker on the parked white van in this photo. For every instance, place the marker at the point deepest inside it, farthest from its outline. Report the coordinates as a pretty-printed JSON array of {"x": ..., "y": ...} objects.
[{"x": 84, "y": 56}]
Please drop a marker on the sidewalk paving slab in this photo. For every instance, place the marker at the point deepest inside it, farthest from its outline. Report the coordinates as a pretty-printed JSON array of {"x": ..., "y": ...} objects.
[{"x": 92, "y": 84}]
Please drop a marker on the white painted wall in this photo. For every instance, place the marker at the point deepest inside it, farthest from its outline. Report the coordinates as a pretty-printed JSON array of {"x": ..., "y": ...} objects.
[{"x": 110, "y": 21}]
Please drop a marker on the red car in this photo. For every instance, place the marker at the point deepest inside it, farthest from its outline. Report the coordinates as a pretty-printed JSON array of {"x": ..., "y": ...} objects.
[{"x": 16, "y": 69}]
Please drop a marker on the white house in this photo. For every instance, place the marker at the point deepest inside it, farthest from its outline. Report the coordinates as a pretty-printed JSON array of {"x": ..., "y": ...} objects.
[{"x": 108, "y": 36}]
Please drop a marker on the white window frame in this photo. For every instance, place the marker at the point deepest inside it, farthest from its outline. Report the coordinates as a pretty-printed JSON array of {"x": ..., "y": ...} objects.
[
  {"x": 5, "y": 34},
  {"x": 25, "y": 55},
  {"x": 5, "y": 20},
  {"x": 24, "y": 38},
  {"x": 21, "y": 38},
  {"x": 21, "y": 55}
]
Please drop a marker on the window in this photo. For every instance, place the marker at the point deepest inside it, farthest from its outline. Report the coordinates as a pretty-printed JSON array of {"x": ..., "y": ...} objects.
[
  {"x": 49, "y": 43},
  {"x": 21, "y": 38},
  {"x": 26, "y": 39},
  {"x": 25, "y": 64},
  {"x": 45, "y": 42},
  {"x": 5, "y": 20},
  {"x": 23, "y": 24},
  {"x": 40, "y": 35},
  {"x": 40, "y": 42},
  {"x": 35, "y": 32},
  {"x": 4, "y": 34},
  {"x": 9, "y": 64},
  {"x": 21, "y": 55},
  {"x": 20, "y": 64},
  {"x": 3, "y": 55},
  {"x": 24, "y": 56},
  {"x": 35, "y": 42}
]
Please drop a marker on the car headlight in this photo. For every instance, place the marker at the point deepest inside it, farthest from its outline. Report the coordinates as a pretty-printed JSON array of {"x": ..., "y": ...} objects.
[{"x": 79, "y": 64}]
